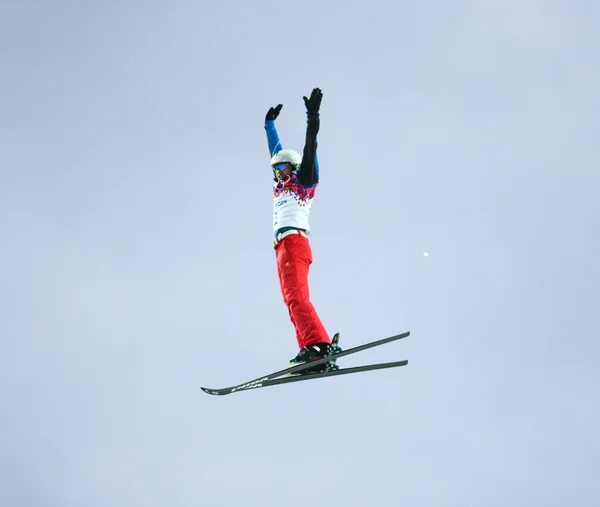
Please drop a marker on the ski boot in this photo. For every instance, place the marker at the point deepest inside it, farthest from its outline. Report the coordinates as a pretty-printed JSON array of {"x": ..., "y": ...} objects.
[
  {"x": 335, "y": 349},
  {"x": 317, "y": 351}
]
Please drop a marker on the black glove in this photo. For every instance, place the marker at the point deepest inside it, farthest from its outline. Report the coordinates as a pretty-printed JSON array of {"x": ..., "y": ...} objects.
[
  {"x": 314, "y": 103},
  {"x": 273, "y": 113}
]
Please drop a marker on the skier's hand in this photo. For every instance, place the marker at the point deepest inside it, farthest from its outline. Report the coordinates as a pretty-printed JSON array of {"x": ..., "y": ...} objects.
[
  {"x": 314, "y": 103},
  {"x": 273, "y": 112}
]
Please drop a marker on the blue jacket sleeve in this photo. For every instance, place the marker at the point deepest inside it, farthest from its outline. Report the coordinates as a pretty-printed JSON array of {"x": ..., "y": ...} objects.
[{"x": 272, "y": 137}]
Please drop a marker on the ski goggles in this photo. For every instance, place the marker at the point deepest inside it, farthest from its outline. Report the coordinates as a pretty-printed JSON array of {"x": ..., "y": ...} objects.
[{"x": 282, "y": 167}]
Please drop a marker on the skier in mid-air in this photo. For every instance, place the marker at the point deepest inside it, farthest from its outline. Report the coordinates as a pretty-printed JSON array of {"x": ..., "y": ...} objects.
[{"x": 296, "y": 178}]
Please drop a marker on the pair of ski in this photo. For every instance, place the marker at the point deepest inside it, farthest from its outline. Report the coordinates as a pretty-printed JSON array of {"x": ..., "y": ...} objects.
[{"x": 292, "y": 374}]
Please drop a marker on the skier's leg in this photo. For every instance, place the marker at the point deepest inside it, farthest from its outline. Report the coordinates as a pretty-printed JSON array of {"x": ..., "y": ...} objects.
[
  {"x": 294, "y": 257},
  {"x": 283, "y": 293}
]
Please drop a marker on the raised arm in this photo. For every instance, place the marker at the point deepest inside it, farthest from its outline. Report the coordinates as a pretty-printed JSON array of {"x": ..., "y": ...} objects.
[
  {"x": 309, "y": 171},
  {"x": 272, "y": 135}
]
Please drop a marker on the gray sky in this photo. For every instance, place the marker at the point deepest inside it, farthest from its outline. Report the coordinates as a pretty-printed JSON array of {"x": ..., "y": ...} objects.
[{"x": 136, "y": 263}]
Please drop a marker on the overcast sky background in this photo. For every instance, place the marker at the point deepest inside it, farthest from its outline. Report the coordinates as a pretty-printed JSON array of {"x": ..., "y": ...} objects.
[{"x": 136, "y": 261}]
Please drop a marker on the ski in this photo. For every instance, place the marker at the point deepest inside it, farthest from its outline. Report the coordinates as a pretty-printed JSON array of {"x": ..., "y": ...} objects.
[
  {"x": 330, "y": 373},
  {"x": 288, "y": 372}
]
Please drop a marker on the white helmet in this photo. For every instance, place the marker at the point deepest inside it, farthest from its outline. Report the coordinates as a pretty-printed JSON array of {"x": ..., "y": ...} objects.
[{"x": 289, "y": 156}]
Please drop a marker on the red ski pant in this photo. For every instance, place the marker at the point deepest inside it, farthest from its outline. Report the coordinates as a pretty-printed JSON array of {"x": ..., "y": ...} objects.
[{"x": 294, "y": 256}]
